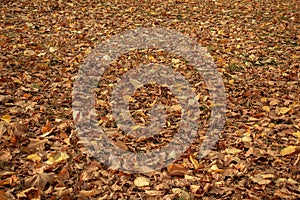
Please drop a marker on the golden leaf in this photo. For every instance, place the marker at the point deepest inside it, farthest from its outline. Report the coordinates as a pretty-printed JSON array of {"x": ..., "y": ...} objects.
[
  {"x": 215, "y": 168},
  {"x": 34, "y": 157},
  {"x": 297, "y": 134},
  {"x": 194, "y": 161},
  {"x": 266, "y": 108},
  {"x": 57, "y": 157},
  {"x": 282, "y": 110},
  {"x": 288, "y": 150},
  {"x": 6, "y": 118}
]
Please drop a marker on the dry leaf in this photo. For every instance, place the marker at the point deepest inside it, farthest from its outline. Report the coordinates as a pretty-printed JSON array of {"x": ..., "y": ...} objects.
[
  {"x": 194, "y": 161},
  {"x": 141, "y": 181},
  {"x": 34, "y": 158},
  {"x": 266, "y": 108},
  {"x": 259, "y": 178},
  {"x": 214, "y": 168},
  {"x": 6, "y": 118},
  {"x": 296, "y": 134},
  {"x": 5, "y": 156},
  {"x": 233, "y": 150},
  {"x": 57, "y": 157},
  {"x": 288, "y": 150},
  {"x": 52, "y": 49},
  {"x": 29, "y": 52},
  {"x": 154, "y": 193},
  {"x": 282, "y": 110},
  {"x": 36, "y": 143},
  {"x": 176, "y": 169}
]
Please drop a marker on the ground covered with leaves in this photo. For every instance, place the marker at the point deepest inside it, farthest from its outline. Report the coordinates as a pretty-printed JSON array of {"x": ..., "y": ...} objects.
[{"x": 255, "y": 45}]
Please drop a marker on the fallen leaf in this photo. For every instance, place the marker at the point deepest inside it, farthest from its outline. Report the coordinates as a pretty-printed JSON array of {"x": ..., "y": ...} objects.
[
  {"x": 176, "y": 169},
  {"x": 63, "y": 175},
  {"x": 52, "y": 49},
  {"x": 29, "y": 52},
  {"x": 194, "y": 188},
  {"x": 36, "y": 143},
  {"x": 57, "y": 157},
  {"x": 154, "y": 193},
  {"x": 40, "y": 180},
  {"x": 296, "y": 134},
  {"x": 6, "y": 118},
  {"x": 259, "y": 178},
  {"x": 34, "y": 158},
  {"x": 232, "y": 150},
  {"x": 30, "y": 193},
  {"x": 288, "y": 150},
  {"x": 266, "y": 108},
  {"x": 5, "y": 156},
  {"x": 282, "y": 110},
  {"x": 141, "y": 181},
  {"x": 214, "y": 168},
  {"x": 194, "y": 162}
]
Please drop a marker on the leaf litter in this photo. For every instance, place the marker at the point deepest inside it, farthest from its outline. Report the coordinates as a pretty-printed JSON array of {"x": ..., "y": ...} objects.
[{"x": 255, "y": 45}]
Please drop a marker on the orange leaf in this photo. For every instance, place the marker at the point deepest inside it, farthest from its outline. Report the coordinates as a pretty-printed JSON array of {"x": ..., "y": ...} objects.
[{"x": 176, "y": 170}]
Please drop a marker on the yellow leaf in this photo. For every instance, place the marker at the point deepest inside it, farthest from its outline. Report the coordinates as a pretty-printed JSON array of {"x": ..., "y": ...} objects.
[
  {"x": 232, "y": 151},
  {"x": 135, "y": 127},
  {"x": 194, "y": 161},
  {"x": 151, "y": 58},
  {"x": 57, "y": 157},
  {"x": 6, "y": 118},
  {"x": 34, "y": 157},
  {"x": 266, "y": 108},
  {"x": 288, "y": 150},
  {"x": 263, "y": 99},
  {"x": 16, "y": 80},
  {"x": 297, "y": 135},
  {"x": 141, "y": 181},
  {"x": 282, "y": 110},
  {"x": 175, "y": 61},
  {"x": 231, "y": 81},
  {"x": 214, "y": 168}
]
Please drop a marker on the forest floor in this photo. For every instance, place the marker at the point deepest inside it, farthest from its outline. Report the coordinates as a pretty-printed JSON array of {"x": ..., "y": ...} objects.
[{"x": 255, "y": 46}]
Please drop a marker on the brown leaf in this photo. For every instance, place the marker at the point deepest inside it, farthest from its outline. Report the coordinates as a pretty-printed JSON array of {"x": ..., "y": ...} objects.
[
  {"x": 5, "y": 156},
  {"x": 176, "y": 169},
  {"x": 40, "y": 180},
  {"x": 63, "y": 175},
  {"x": 36, "y": 143}
]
